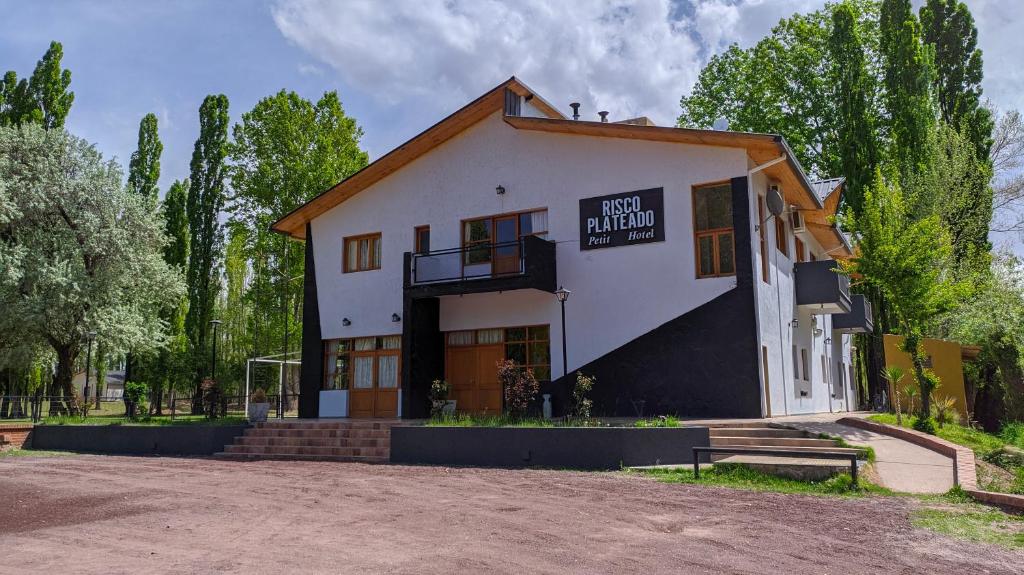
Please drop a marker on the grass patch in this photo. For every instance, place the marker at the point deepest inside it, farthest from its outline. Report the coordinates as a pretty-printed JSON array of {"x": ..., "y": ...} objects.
[
  {"x": 663, "y": 421},
  {"x": 980, "y": 442},
  {"x": 144, "y": 421},
  {"x": 740, "y": 477},
  {"x": 982, "y": 525},
  {"x": 12, "y": 453},
  {"x": 1013, "y": 434},
  {"x": 470, "y": 420}
]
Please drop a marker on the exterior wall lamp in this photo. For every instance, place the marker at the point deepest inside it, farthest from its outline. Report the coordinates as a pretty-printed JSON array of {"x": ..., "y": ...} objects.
[
  {"x": 396, "y": 318},
  {"x": 500, "y": 190},
  {"x": 828, "y": 341},
  {"x": 795, "y": 323},
  {"x": 346, "y": 322}
]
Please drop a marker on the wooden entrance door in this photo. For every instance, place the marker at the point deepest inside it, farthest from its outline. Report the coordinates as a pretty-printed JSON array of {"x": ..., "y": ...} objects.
[
  {"x": 472, "y": 372},
  {"x": 506, "y": 257},
  {"x": 375, "y": 383}
]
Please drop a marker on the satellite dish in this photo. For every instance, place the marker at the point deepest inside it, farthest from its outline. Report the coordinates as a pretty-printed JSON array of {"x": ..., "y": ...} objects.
[{"x": 776, "y": 205}]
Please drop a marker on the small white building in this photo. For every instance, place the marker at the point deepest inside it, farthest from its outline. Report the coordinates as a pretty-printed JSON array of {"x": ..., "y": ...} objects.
[{"x": 688, "y": 296}]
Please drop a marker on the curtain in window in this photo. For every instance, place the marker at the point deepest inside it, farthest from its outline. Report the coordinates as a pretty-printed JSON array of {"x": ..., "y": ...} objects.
[
  {"x": 376, "y": 253},
  {"x": 387, "y": 371},
  {"x": 366, "y": 344},
  {"x": 332, "y": 353},
  {"x": 363, "y": 372},
  {"x": 460, "y": 338},
  {"x": 352, "y": 257},
  {"x": 539, "y": 223},
  {"x": 364, "y": 254},
  {"x": 486, "y": 336},
  {"x": 391, "y": 342}
]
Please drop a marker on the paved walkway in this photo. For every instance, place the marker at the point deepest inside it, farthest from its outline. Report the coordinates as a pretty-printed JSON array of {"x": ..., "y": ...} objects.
[{"x": 901, "y": 466}]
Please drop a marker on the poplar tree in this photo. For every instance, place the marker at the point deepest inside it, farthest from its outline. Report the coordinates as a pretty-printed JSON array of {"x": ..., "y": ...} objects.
[
  {"x": 43, "y": 98},
  {"x": 173, "y": 358},
  {"x": 144, "y": 167},
  {"x": 206, "y": 242},
  {"x": 856, "y": 133},
  {"x": 907, "y": 75},
  {"x": 949, "y": 29}
]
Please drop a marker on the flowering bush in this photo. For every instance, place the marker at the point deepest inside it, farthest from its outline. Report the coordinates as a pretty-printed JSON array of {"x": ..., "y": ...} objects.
[
  {"x": 519, "y": 386},
  {"x": 581, "y": 403}
]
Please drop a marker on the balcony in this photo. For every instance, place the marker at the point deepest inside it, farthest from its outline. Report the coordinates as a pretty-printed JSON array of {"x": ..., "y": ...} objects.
[
  {"x": 821, "y": 289},
  {"x": 859, "y": 320},
  {"x": 528, "y": 263}
]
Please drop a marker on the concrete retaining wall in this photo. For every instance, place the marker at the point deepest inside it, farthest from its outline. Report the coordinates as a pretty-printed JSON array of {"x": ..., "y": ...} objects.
[
  {"x": 137, "y": 439},
  {"x": 558, "y": 447}
]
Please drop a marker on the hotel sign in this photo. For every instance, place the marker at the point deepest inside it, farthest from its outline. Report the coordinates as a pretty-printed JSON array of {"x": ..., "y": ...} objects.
[{"x": 622, "y": 219}]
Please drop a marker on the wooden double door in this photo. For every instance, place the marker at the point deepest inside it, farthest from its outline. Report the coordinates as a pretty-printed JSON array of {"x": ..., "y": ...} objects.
[
  {"x": 472, "y": 372},
  {"x": 376, "y": 375}
]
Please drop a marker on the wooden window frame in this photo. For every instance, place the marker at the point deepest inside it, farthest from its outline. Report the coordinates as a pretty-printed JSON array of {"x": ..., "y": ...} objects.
[
  {"x": 781, "y": 237},
  {"x": 417, "y": 245},
  {"x": 352, "y": 352},
  {"x": 505, "y": 342},
  {"x": 493, "y": 223},
  {"x": 345, "y": 268},
  {"x": 799, "y": 249},
  {"x": 714, "y": 233}
]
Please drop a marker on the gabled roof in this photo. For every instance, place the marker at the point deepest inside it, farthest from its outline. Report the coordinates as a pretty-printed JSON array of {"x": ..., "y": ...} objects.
[
  {"x": 294, "y": 223},
  {"x": 761, "y": 148},
  {"x": 825, "y": 187}
]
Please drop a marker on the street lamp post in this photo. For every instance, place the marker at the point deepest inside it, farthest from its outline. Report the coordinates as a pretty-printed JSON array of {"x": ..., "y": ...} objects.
[
  {"x": 213, "y": 355},
  {"x": 88, "y": 367},
  {"x": 563, "y": 294}
]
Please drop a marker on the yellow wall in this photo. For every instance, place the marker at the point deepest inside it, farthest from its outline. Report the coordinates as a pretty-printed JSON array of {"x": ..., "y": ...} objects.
[{"x": 946, "y": 363}]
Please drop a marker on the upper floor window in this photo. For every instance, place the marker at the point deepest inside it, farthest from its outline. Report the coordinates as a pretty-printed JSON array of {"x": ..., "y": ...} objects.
[
  {"x": 781, "y": 236},
  {"x": 362, "y": 253},
  {"x": 713, "y": 231},
  {"x": 798, "y": 245},
  {"x": 422, "y": 239},
  {"x": 490, "y": 237}
]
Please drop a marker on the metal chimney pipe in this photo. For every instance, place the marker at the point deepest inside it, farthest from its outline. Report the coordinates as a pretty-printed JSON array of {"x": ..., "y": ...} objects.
[
  {"x": 604, "y": 116},
  {"x": 575, "y": 110}
]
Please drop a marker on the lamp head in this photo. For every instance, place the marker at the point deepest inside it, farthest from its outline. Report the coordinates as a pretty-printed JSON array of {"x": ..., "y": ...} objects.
[{"x": 562, "y": 294}]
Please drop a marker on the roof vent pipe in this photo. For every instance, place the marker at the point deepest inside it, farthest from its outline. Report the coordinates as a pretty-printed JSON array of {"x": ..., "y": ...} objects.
[
  {"x": 604, "y": 116},
  {"x": 575, "y": 110}
]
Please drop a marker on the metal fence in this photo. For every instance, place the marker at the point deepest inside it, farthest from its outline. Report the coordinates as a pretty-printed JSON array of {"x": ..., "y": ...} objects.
[{"x": 38, "y": 407}]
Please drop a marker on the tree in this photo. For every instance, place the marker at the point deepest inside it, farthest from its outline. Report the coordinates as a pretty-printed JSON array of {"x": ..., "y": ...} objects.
[
  {"x": 908, "y": 70},
  {"x": 79, "y": 253},
  {"x": 144, "y": 167},
  {"x": 856, "y": 133},
  {"x": 205, "y": 201},
  {"x": 270, "y": 179},
  {"x": 1007, "y": 159},
  {"x": 906, "y": 261},
  {"x": 173, "y": 359},
  {"x": 43, "y": 98},
  {"x": 948, "y": 27}
]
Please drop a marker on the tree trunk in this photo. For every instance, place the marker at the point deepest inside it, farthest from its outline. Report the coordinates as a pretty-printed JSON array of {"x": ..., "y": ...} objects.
[{"x": 63, "y": 389}]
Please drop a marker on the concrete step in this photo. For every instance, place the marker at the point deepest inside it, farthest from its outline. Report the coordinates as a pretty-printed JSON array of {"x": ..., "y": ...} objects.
[
  {"x": 772, "y": 442},
  {"x": 312, "y": 441},
  {"x": 319, "y": 433},
  {"x": 736, "y": 424},
  {"x": 307, "y": 450},
  {"x": 805, "y": 468},
  {"x": 298, "y": 457},
  {"x": 755, "y": 432},
  {"x": 320, "y": 424}
]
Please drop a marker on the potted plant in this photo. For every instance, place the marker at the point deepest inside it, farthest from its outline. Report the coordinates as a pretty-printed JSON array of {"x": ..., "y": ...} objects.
[
  {"x": 439, "y": 402},
  {"x": 259, "y": 407}
]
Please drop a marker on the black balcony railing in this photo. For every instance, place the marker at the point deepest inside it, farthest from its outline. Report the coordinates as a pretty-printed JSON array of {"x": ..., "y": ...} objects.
[
  {"x": 822, "y": 288},
  {"x": 859, "y": 320},
  {"x": 525, "y": 263}
]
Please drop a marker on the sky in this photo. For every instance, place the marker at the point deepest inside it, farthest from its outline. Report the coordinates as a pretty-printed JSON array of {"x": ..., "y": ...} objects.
[{"x": 400, "y": 66}]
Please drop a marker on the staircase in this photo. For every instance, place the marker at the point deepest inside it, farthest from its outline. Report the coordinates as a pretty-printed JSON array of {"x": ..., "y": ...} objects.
[
  {"x": 756, "y": 435},
  {"x": 314, "y": 440}
]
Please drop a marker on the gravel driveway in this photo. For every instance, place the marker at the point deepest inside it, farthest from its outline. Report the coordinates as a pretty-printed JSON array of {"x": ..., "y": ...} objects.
[{"x": 103, "y": 514}]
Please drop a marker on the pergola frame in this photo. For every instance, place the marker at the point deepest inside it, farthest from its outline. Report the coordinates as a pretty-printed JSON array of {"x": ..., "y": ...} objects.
[{"x": 279, "y": 359}]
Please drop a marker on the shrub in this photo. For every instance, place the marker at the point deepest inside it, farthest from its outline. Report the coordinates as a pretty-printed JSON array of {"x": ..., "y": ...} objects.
[
  {"x": 1013, "y": 433},
  {"x": 660, "y": 421},
  {"x": 211, "y": 398},
  {"x": 439, "y": 390},
  {"x": 945, "y": 411},
  {"x": 519, "y": 386},
  {"x": 134, "y": 394},
  {"x": 258, "y": 396},
  {"x": 80, "y": 405},
  {"x": 925, "y": 425},
  {"x": 581, "y": 404}
]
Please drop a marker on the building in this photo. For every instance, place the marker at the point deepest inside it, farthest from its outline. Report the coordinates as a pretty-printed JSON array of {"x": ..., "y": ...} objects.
[
  {"x": 687, "y": 297},
  {"x": 944, "y": 358}
]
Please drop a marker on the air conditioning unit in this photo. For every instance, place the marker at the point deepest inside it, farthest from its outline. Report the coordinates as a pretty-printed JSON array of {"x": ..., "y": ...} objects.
[{"x": 797, "y": 219}]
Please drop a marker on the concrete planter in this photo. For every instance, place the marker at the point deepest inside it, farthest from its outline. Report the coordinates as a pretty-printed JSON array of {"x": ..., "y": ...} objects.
[
  {"x": 558, "y": 447},
  {"x": 137, "y": 439},
  {"x": 258, "y": 412}
]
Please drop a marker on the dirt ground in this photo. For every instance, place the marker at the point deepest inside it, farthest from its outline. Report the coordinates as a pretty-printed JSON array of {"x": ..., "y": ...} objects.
[{"x": 102, "y": 514}]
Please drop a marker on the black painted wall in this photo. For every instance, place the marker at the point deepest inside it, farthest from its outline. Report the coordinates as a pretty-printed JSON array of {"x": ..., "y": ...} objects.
[
  {"x": 703, "y": 363},
  {"x": 422, "y": 353},
  {"x": 312, "y": 371}
]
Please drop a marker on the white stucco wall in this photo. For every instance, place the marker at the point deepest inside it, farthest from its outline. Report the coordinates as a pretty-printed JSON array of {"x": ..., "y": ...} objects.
[{"x": 618, "y": 293}]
